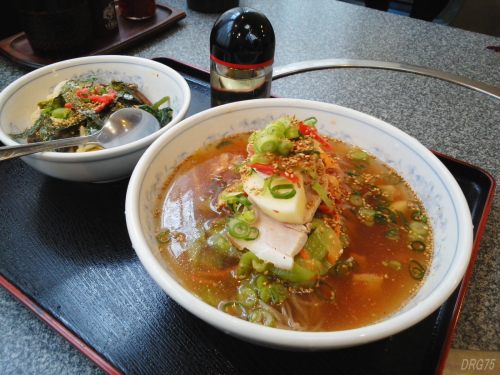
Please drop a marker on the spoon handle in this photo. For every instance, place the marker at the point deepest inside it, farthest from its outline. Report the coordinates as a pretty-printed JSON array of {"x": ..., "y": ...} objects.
[{"x": 10, "y": 152}]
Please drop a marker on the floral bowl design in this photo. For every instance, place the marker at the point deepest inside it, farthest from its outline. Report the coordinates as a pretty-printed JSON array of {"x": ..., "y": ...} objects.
[
  {"x": 20, "y": 98},
  {"x": 434, "y": 184}
]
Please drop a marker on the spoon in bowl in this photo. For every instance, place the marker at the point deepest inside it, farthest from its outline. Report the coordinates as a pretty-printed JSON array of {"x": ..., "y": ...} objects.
[{"x": 124, "y": 126}]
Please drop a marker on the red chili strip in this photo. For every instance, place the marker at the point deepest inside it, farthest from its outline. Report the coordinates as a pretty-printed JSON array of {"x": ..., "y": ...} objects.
[
  {"x": 105, "y": 99},
  {"x": 269, "y": 170},
  {"x": 309, "y": 130},
  {"x": 263, "y": 168}
]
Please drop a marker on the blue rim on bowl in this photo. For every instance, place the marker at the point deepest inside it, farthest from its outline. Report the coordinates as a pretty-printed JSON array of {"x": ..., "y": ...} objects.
[{"x": 431, "y": 180}]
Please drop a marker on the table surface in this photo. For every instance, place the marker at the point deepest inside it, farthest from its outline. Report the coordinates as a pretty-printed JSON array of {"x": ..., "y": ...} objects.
[{"x": 445, "y": 117}]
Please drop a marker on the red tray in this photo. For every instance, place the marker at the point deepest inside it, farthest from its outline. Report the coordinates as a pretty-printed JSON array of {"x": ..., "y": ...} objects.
[{"x": 18, "y": 50}]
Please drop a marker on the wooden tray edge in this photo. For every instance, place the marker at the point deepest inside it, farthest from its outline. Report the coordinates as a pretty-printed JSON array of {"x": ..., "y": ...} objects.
[{"x": 21, "y": 60}]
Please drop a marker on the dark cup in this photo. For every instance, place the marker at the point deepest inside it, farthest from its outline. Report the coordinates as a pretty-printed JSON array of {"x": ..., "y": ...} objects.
[
  {"x": 57, "y": 28},
  {"x": 137, "y": 9}
]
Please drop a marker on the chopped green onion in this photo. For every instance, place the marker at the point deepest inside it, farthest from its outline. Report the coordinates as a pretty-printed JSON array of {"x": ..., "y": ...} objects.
[
  {"x": 163, "y": 237},
  {"x": 247, "y": 296},
  {"x": 341, "y": 269},
  {"x": 361, "y": 165},
  {"x": 238, "y": 228},
  {"x": 353, "y": 264},
  {"x": 322, "y": 193},
  {"x": 249, "y": 216},
  {"x": 403, "y": 219},
  {"x": 417, "y": 271},
  {"x": 266, "y": 143},
  {"x": 262, "y": 317},
  {"x": 418, "y": 246},
  {"x": 230, "y": 196},
  {"x": 311, "y": 121},
  {"x": 419, "y": 228},
  {"x": 243, "y": 199},
  {"x": 374, "y": 189},
  {"x": 381, "y": 201},
  {"x": 387, "y": 212},
  {"x": 265, "y": 294},
  {"x": 275, "y": 127},
  {"x": 393, "y": 265},
  {"x": 292, "y": 132},
  {"x": 367, "y": 214},
  {"x": 237, "y": 207},
  {"x": 245, "y": 263},
  {"x": 267, "y": 183},
  {"x": 298, "y": 276},
  {"x": 359, "y": 155},
  {"x": 219, "y": 243},
  {"x": 417, "y": 215},
  {"x": 380, "y": 219},
  {"x": 259, "y": 265},
  {"x": 356, "y": 199},
  {"x": 223, "y": 143},
  {"x": 261, "y": 159},
  {"x": 414, "y": 205},
  {"x": 285, "y": 148},
  {"x": 62, "y": 113},
  {"x": 235, "y": 309},
  {"x": 325, "y": 292},
  {"x": 262, "y": 281},
  {"x": 279, "y": 292},
  {"x": 313, "y": 172},
  {"x": 254, "y": 234},
  {"x": 391, "y": 179},
  {"x": 392, "y": 234},
  {"x": 284, "y": 121},
  {"x": 283, "y": 191},
  {"x": 280, "y": 134}
]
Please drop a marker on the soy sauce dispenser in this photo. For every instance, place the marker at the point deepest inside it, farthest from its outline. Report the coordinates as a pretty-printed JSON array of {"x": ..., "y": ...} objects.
[{"x": 242, "y": 47}]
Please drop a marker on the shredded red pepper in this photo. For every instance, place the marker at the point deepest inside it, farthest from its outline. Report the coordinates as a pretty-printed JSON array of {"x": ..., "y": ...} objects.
[
  {"x": 105, "y": 99},
  {"x": 263, "y": 168},
  {"x": 85, "y": 91},
  {"x": 68, "y": 105},
  {"x": 269, "y": 170},
  {"x": 309, "y": 130}
]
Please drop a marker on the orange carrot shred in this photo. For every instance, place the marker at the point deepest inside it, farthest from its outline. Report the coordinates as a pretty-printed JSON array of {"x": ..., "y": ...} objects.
[{"x": 304, "y": 254}]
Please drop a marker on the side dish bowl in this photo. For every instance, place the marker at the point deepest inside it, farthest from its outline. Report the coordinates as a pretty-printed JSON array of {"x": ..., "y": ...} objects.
[
  {"x": 434, "y": 184},
  {"x": 20, "y": 98}
]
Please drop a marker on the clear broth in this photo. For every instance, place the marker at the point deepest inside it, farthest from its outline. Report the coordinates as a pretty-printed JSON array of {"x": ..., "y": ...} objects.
[{"x": 186, "y": 208}]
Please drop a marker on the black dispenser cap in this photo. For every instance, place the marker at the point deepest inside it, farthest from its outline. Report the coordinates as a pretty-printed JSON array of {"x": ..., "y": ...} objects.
[{"x": 242, "y": 36}]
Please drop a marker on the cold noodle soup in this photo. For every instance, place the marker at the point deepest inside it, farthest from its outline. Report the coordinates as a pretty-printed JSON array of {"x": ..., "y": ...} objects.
[{"x": 290, "y": 229}]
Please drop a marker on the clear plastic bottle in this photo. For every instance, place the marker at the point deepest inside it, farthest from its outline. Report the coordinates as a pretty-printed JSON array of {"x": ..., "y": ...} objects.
[{"x": 242, "y": 45}]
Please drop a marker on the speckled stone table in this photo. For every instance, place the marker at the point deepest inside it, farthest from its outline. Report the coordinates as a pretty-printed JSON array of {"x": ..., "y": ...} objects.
[{"x": 447, "y": 118}]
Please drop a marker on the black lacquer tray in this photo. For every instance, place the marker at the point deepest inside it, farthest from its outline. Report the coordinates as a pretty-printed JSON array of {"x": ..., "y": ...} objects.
[{"x": 65, "y": 253}]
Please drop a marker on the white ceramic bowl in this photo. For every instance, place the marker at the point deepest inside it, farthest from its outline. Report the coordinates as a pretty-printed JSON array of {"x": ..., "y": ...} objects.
[
  {"x": 20, "y": 98},
  {"x": 433, "y": 183}
]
